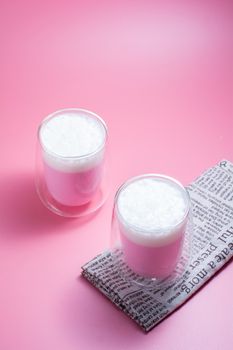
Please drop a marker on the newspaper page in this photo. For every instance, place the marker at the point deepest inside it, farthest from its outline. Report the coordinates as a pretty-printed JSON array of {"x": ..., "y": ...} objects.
[{"x": 212, "y": 246}]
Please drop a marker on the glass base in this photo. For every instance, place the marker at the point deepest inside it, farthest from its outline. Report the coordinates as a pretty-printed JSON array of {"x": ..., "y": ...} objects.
[{"x": 72, "y": 211}]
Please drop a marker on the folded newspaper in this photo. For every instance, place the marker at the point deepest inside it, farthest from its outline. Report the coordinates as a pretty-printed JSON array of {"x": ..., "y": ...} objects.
[{"x": 212, "y": 247}]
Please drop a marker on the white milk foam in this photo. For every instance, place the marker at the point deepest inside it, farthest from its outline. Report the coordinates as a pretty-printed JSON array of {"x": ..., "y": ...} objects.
[
  {"x": 69, "y": 135},
  {"x": 152, "y": 210}
]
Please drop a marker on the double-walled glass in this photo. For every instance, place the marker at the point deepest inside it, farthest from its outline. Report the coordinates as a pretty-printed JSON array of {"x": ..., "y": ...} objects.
[
  {"x": 151, "y": 228},
  {"x": 71, "y": 169}
]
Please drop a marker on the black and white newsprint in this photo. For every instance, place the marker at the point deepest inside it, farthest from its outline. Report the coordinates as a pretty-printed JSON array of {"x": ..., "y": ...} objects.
[{"x": 212, "y": 247}]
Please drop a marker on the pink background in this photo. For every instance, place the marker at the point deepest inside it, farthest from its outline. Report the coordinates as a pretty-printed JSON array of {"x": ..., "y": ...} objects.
[{"x": 161, "y": 74}]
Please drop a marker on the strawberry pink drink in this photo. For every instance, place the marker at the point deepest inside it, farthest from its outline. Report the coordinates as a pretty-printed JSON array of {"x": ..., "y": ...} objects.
[
  {"x": 152, "y": 213},
  {"x": 73, "y": 146}
]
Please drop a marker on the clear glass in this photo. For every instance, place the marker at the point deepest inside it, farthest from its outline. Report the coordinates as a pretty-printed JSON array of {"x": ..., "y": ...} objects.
[
  {"x": 151, "y": 256},
  {"x": 71, "y": 186}
]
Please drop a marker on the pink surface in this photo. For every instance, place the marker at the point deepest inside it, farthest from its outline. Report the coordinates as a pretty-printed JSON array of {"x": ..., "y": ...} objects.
[
  {"x": 157, "y": 261},
  {"x": 160, "y": 74},
  {"x": 76, "y": 188}
]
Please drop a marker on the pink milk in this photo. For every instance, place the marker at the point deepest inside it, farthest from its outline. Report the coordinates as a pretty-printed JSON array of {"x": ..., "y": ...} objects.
[
  {"x": 153, "y": 261},
  {"x": 73, "y": 149},
  {"x": 152, "y": 214},
  {"x": 73, "y": 188}
]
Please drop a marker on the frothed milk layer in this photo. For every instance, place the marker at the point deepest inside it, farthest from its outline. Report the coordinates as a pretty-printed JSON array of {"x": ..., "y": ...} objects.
[
  {"x": 152, "y": 211},
  {"x": 72, "y": 140}
]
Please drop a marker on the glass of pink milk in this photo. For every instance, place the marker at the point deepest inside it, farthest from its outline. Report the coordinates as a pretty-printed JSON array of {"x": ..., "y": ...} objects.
[
  {"x": 71, "y": 161},
  {"x": 150, "y": 216}
]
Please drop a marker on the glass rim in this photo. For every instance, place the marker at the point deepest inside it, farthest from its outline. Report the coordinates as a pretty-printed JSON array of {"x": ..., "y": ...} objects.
[
  {"x": 72, "y": 109},
  {"x": 158, "y": 176}
]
